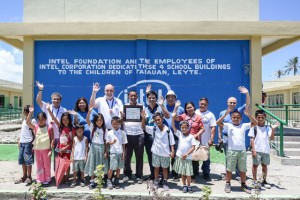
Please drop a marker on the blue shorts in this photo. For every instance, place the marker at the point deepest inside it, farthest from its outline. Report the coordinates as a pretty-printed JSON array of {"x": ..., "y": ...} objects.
[{"x": 25, "y": 154}]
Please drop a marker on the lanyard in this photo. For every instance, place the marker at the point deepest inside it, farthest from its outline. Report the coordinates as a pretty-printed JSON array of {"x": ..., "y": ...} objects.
[
  {"x": 113, "y": 103},
  {"x": 191, "y": 118},
  {"x": 56, "y": 111}
]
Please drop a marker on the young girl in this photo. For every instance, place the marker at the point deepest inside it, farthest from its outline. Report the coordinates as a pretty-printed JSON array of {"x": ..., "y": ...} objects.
[
  {"x": 66, "y": 134},
  {"x": 98, "y": 150},
  {"x": 42, "y": 146},
  {"x": 79, "y": 154},
  {"x": 183, "y": 162}
]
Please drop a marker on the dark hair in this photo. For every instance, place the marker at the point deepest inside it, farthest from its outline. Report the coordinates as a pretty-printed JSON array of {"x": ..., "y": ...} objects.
[
  {"x": 204, "y": 99},
  {"x": 187, "y": 103},
  {"x": 260, "y": 112},
  {"x": 238, "y": 112},
  {"x": 151, "y": 92},
  {"x": 116, "y": 118},
  {"x": 132, "y": 91},
  {"x": 78, "y": 126},
  {"x": 184, "y": 122},
  {"x": 26, "y": 108},
  {"x": 70, "y": 125},
  {"x": 41, "y": 114},
  {"x": 56, "y": 94},
  {"x": 95, "y": 119},
  {"x": 77, "y": 102},
  {"x": 157, "y": 114}
]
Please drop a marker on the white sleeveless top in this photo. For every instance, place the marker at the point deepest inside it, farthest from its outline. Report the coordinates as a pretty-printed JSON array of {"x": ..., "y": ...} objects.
[{"x": 79, "y": 149}]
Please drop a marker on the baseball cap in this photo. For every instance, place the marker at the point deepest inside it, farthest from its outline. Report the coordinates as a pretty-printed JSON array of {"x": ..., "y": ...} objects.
[{"x": 171, "y": 92}]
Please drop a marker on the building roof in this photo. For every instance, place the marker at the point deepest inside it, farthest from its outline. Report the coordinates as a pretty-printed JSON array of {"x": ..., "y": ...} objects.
[
  {"x": 288, "y": 82},
  {"x": 10, "y": 86}
]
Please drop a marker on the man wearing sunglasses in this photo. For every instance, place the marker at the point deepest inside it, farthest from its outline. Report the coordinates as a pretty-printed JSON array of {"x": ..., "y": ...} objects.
[{"x": 231, "y": 103}]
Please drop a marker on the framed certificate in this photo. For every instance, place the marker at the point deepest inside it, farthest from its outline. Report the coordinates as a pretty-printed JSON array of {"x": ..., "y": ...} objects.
[{"x": 133, "y": 113}]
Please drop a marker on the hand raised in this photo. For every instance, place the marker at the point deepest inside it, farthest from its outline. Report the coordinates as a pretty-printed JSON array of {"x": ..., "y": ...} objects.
[
  {"x": 31, "y": 109},
  {"x": 148, "y": 88},
  {"x": 72, "y": 112},
  {"x": 96, "y": 87},
  {"x": 178, "y": 103},
  {"x": 40, "y": 85},
  {"x": 48, "y": 105},
  {"x": 161, "y": 100},
  {"x": 243, "y": 90}
]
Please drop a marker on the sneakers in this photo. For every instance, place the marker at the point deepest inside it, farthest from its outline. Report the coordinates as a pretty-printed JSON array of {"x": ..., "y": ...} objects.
[
  {"x": 139, "y": 180},
  {"x": 155, "y": 185},
  {"x": 256, "y": 185},
  {"x": 185, "y": 189},
  {"x": 117, "y": 183},
  {"x": 125, "y": 179},
  {"x": 73, "y": 184},
  {"x": 165, "y": 185},
  {"x": 92, "y": 185},
  {"x": 227, "y": 188},
  {"x": 190, "y": 190},
  {"x": 21, "y": 180},
  {"x": 28, "y": 181},
  {"x": 109, "y": 184},
  {"x": 245, "y": 188},
  {"x": 266, "y": 185},
  {"x": 82, "y": 183}
]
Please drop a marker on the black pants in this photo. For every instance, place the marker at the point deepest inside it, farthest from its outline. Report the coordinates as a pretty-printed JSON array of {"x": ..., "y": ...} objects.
[
  {"x": 148, "y": 145},
  {"x": 135, "y": 143},
  {"x": 195, "y": 169}
]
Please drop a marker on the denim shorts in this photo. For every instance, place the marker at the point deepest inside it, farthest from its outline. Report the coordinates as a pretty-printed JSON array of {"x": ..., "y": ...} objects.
[{"x": 25, "y": 154}]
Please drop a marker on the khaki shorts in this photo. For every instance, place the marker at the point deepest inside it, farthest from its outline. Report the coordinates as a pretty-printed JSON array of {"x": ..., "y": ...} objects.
[
  {"x": 261, "y": 158},
  {"x": 78, "y": 165},
  {"x": 160, "y": 161},
  {"x": 116, "y": 161},
  {"x": 236, "y": 158}
]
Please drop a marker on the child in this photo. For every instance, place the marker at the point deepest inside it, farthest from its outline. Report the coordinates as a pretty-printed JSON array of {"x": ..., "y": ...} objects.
[
  {"x": 162, "y": 140},
  {"x": 260, "y": 136},
  {"x": 42, "y": 146},
  {"x": 117, "y": 139},
  {"x": 236, "y": 154},
  {"x": 79, "y": 154},
  {"x": 98, "y": 150},
  {"x": 26, "y": 157},
  {"x": 66, "y": 134},
  {"x": 183, "y": 162}
]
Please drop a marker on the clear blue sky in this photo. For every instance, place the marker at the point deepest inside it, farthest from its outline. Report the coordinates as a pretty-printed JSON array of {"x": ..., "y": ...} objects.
[{"x": 270, "y": 10}]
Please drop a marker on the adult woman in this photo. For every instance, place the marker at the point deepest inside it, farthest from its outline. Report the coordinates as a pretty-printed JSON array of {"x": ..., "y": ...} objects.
[
  {"x": 196, "y": 126},
  {"x": 81, "y": 108}
]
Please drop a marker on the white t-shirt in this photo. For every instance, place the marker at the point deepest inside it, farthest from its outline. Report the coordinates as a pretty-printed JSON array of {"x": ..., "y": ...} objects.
[
  {"x": 133, "y": 128},
  {"x": 121, "y": 139},
  {"x": 98, "y": 135},
  {"x": 79, "y": 148},
  {"x": 209, "y": 121},
  {"x": 105, "y": 105},
  {"x": 184, "y": 144},
  {"x": 236, "y": 135},
  {"x": 161, "y": 143},
  {"x": 261, "y": 142},
  {"x": 26, "y": 134},
  {"x": 57, "y": 112}
]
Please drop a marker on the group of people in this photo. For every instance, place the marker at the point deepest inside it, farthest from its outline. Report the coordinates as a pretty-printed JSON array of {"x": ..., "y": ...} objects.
[{"x": 167, "y": 131}]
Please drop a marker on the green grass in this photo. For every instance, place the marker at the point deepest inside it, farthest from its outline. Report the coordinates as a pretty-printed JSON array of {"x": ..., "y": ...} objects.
[{"x": 10, "y": 152}]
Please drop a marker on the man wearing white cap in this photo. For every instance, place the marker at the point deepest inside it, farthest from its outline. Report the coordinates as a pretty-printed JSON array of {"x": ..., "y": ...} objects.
[{"x": 171, "y": 100}]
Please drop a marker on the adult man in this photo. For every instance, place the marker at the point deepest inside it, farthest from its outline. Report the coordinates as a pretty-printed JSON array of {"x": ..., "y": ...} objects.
[
  {"x": 170, "y": 105},
  {"x": 135, "y": 138},
  {"x": 231, "y": 103},
  {"x": 108, "y": 105},
  {"x": 55, "y": 108},
  {"x": 207, "y": 138},
  {"x": 150, "y": 110}
]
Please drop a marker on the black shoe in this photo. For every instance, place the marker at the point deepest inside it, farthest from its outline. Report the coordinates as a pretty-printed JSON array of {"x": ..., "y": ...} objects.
[
  {"x": 117, "y": 183},
  {"x": 206, "y": 177}
]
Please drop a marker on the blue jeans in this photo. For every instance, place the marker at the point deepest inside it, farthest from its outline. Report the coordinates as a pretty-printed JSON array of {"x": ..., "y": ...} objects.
[
  {"x": 206, "y": 167},
  {"x": 25, "y": 154}
]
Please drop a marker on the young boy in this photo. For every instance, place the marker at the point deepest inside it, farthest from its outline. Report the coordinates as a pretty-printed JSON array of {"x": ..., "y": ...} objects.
[
  {"x": 117, "y": 139},
  {"x": 162, "y": 147},
  {"x": 260, "y": 136},
  {"x": 79, "y": 154},
  {"x": 26, "y": 158},
  {"x": 236, "y": 154}
]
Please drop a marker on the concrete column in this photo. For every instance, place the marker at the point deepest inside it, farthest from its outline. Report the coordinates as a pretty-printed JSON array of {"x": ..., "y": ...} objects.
[
  {"x": 28, "y": 71},
  {"x": 256, "y": 72}
]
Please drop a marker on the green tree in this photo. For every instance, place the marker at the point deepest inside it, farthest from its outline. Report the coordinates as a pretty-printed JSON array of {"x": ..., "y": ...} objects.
[
  {"x": 292, "y": 65},
  {"x": 278, "y": 73}
]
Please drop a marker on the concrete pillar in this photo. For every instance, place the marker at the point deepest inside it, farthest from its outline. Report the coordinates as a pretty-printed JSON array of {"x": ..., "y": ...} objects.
[
  {"x": 256, "y": 72},
  {"x": 28, "y": 71}
]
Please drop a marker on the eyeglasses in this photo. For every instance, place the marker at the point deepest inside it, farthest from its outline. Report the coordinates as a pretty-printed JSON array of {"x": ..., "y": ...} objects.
[
  {"x": 203, "y": 104},
  {"x": 232, "y": 102}
]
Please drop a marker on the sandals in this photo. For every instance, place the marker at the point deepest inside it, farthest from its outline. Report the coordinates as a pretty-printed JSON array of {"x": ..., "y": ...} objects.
[{"x": 21, "y": 180}]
